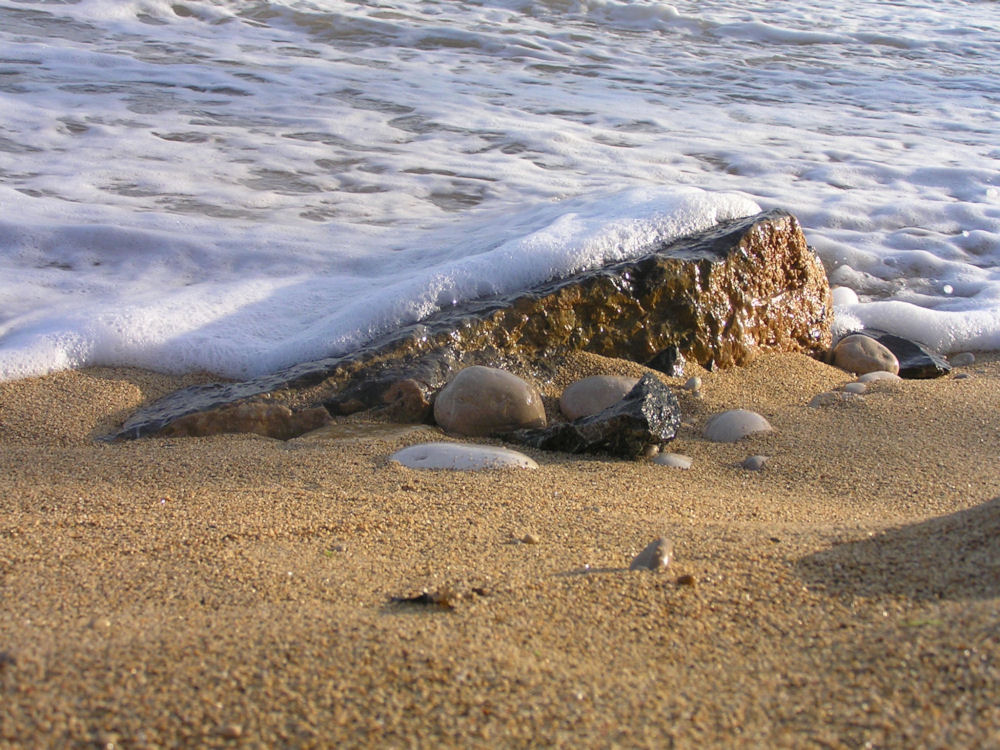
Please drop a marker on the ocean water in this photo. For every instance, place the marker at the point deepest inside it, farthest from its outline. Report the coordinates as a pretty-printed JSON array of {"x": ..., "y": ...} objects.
[{"x": 239, "y": 185}]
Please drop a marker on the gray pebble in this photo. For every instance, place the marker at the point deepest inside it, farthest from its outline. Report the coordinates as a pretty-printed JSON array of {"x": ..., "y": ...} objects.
[
  {"x": 963, "y": 360},
  {"x": 656, "y": 556},
  {"x": 676, "y": 460},
  {"x": 754, "y": 463},
  {"x": 857, "y": 388},
  {"x": 693, "y": 384}
]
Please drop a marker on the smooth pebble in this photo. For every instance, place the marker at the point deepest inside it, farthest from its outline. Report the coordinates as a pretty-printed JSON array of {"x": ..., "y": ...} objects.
[
  {"x": 592, "y": 395},
  {"x": 868, "y": 377},
  {"x": 963, "y": 360},
  {"x": 693, "y": 383},
  {"x": 461, "y": 457},
  {"x": 754, "y": 463},
  {"x": 735, "y": 424},
  {"x": 856, "y": 388},
  {"x": 657, "y": 555},
  {"x": 487, "y": 401},
  {"x": 676, "y": 460},
  {"x": 859, "y": 354}
]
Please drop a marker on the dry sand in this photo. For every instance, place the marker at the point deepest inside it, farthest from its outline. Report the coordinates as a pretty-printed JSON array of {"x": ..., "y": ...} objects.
[{"x": 237, "y": 591}]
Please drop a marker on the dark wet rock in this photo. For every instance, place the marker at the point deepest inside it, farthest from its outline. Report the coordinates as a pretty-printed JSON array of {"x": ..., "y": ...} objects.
[
  {"x": 648, "y": 416},
  {"x": 255, "y": 417},
  {"x": 670, "y": 362},
  {"x": 916, "y": 361},
  {"x": 718, "y": 297}
]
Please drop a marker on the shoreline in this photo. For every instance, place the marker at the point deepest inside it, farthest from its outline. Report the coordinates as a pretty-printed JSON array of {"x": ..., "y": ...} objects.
[{"x": 238, "y": 591}]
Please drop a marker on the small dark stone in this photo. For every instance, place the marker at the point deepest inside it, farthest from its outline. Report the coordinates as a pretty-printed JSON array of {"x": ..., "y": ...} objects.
[
  {"x": 685, "y": 580},
  {"x": 670, "y": 362},
  {"x": 916, "y": 361},
  {"x": 648, "y": 415}
]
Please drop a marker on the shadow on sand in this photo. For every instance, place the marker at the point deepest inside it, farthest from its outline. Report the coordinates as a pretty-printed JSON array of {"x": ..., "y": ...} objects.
[{"x": 956, "y": 556}]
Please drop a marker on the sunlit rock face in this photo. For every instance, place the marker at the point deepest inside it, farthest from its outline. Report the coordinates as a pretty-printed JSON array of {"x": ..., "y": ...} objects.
[{"x": 718, "y": 297}]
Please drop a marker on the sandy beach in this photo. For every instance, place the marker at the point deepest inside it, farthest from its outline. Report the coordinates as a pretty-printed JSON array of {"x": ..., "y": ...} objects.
[{"x": 238, "y": 591}]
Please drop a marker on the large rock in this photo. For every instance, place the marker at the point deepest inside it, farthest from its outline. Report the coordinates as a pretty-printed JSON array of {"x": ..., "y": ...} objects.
[
  {"x": 718, "y": 297},
  {"x": 485, "y": 401},
  {"x": 647, "y": 417}
]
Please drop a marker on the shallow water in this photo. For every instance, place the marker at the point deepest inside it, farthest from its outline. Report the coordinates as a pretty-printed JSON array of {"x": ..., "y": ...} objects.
[{"x": 238, "y": 186}]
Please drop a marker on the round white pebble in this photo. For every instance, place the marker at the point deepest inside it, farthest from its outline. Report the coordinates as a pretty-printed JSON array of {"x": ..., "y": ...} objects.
[
  {"x": 676, "y": 460},
  {"x": 735, "y": 424},
  {"x": 855, "y": 387},
  {"x": 461, "y": 457}
]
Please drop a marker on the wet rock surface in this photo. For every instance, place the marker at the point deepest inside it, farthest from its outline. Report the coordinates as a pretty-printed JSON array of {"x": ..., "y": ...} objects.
[
  {"x": 258, "y": 418},
  {"x": 648, "y": 416},
  {"x": 718, "y": 298}
]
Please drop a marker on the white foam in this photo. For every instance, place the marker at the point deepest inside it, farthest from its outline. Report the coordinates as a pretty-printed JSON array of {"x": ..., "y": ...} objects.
[{"x": 211, "y": 184}]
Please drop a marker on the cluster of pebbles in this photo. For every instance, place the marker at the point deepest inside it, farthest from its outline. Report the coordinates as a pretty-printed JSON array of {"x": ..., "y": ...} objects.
[{"x": 484, "y": 401}]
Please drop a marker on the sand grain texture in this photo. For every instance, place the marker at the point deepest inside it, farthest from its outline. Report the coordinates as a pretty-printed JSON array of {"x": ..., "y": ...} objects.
[{"x": 237, "y": 591}]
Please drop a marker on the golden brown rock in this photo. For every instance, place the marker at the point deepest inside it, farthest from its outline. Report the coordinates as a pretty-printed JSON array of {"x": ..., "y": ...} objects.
[{"x": 719, "y": 298}]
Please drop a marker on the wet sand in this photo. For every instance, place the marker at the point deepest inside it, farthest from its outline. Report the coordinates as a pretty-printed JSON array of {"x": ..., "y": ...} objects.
[{"x": 238, "y": 591}]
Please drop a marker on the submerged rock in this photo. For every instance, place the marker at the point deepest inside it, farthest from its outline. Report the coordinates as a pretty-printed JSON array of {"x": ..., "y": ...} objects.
[
  {"x": 482, "y": 401},
  {"x": 648, "y": 416},
  {"x": 718, "y": 297},
  {"x": 591, "y": 395},
  {"x": 255, "y": 417}
]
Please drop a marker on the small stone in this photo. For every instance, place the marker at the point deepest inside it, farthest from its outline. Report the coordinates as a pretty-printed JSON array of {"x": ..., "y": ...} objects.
[
  {"x": 482, "y": 401},
  {"x": 855, "y": 388},
  {"x": 231, "y": 731},
  {"x": 963, "y": 360},
  {"x": 693, "y": 383},
  {"x": 529, "y": 538},
  {"x": 461, "y": 457},
  {"x": 829, "y": 398},
  {"x": 591, "y": 395},
  {"x": 962, "y": 376},
  {"x": 869, "y": 377},
  {"x": 685, "y": 580},
  {"x": 676, "y": 460},
  {"x": 754, "y": 463},
  {"x": 735, "y": 424},
  {"x": 657, "y": 555},
  {"x": 859, "y": 354}
]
